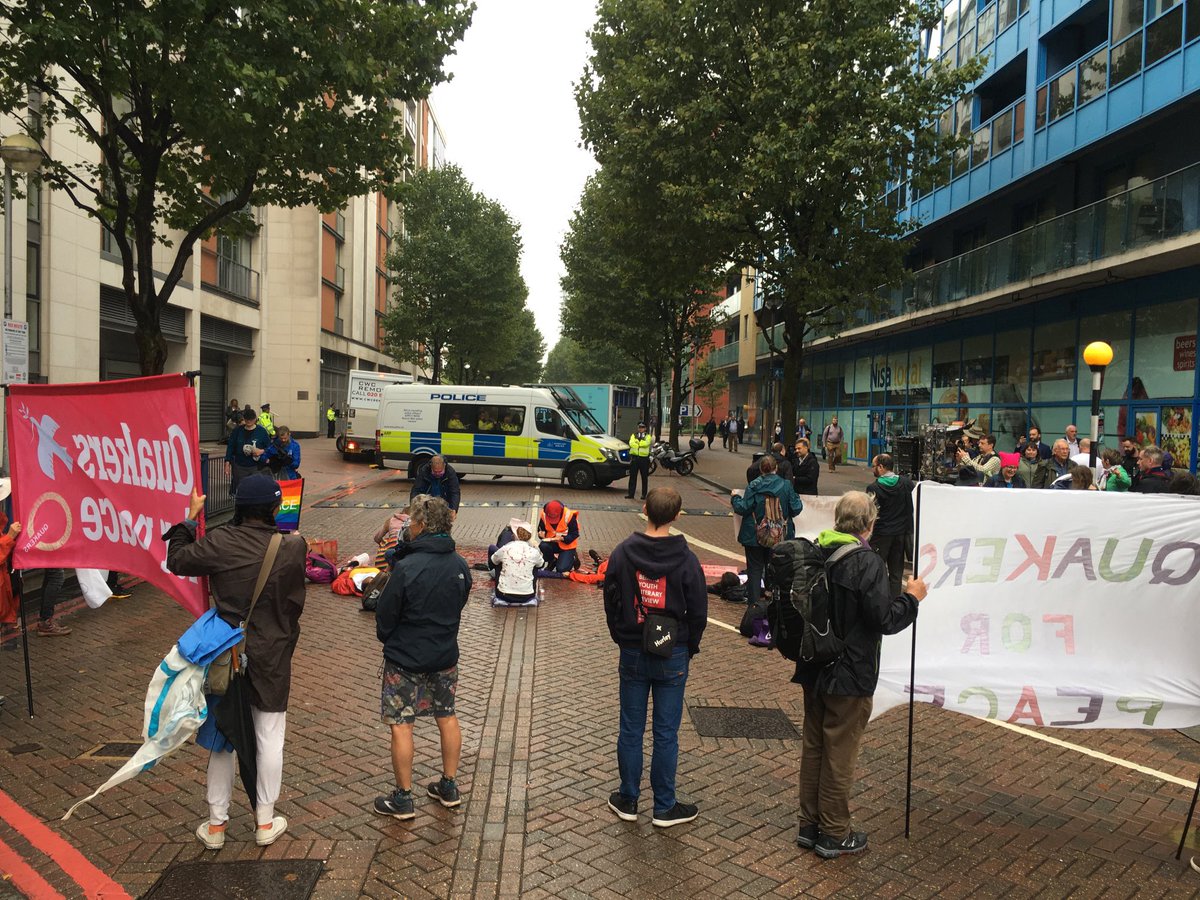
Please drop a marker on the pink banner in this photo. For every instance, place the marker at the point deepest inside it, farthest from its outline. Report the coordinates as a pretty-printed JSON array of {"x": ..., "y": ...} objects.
[{"x": 100, "y": 471}]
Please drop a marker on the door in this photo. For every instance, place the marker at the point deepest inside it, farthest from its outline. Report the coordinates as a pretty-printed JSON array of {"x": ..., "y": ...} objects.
[
  {"x": 552, "y": 441},
  {"x": 212, "y": 396},
  {"x": 884, "y": 425}
]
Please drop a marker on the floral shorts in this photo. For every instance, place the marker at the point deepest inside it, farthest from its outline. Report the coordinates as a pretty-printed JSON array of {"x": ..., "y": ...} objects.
[{"x": 407, "y": 695}]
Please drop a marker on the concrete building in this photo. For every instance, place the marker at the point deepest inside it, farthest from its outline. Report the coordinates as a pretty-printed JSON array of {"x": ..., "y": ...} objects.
[
  {"x": 281, "y": 317},
  {"x": 1073, "y": 216}
]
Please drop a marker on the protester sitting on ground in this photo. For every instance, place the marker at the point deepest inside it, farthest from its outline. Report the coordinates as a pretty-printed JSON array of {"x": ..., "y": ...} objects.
[
  {"x": 437, "y": 478},
  {"x": 558, "y": 529},
  {"x": 283, "y": 455},
  {"x": 417, "y": 621},
  {"x": 1009, "y": 476},
  {"x": 595, "y": 577},
  {"x": 1114, "y": 475},
  {"x": 807, "y": 470},
  {"x": 514, "y": 563},
  {"x": 1082, "y": 479},
  {"x": 730, "y": 586}
]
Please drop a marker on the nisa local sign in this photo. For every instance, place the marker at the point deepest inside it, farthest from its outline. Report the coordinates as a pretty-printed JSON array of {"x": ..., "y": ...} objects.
[
  {"x": 900, "y": 373},
  {"x": 478, "y": 398}
]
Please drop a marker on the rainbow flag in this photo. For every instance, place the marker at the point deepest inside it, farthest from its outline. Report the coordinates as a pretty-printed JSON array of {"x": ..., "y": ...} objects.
[{"x": 288, "y": 517}]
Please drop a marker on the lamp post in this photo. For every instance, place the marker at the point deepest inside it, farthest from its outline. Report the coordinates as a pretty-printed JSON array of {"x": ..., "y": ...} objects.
[
  {"x": 21, "y": 154},
  {"x": 1097, "y": 355}
]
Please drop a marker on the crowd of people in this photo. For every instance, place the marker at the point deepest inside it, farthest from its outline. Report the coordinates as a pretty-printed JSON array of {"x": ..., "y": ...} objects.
[{"x": 255, "y": 444}]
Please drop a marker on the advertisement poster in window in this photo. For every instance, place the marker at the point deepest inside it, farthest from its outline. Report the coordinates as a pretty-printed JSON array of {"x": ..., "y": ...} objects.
[
  {"x": 1177, "y": 433},
  {"x": 1145, "y": 427}
]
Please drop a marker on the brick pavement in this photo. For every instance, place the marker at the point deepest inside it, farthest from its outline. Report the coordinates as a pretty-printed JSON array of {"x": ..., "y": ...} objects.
[{"x": 995, "y": 813}]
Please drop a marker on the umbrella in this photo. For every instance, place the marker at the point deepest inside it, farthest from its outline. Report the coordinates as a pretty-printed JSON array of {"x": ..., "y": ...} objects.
[{"x": 235, "y": 721}]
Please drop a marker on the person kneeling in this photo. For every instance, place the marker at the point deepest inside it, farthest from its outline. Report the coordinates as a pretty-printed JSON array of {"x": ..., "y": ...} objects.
[{"x": 514, "y": 563}]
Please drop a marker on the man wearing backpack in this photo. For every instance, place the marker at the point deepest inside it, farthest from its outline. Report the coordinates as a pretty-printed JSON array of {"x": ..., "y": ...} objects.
[
  {"x": 766, "y": 507},
  {"x": 838, "y": 695}
]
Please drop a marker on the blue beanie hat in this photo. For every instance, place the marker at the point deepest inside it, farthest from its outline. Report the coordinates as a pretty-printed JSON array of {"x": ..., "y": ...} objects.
[{"x": 258, "y": 490}]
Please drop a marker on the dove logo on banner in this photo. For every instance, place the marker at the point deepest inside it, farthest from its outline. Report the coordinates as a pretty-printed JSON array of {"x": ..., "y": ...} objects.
[{"x": 100, "y": 472}]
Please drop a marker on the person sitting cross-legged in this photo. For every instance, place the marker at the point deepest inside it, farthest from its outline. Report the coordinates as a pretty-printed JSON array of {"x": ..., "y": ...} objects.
[{"x": 515, "y": 563}]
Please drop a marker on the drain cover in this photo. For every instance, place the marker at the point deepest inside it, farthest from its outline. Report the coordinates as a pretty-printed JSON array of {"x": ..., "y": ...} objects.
[
  {"x": 279, "y": 879},
  {"x": 742, "y": 721},
  {"x": 121, "y": 750}
]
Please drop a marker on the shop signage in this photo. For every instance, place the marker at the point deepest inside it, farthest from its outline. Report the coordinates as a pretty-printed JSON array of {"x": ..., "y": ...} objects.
[{"x": 1184, "y": 358}]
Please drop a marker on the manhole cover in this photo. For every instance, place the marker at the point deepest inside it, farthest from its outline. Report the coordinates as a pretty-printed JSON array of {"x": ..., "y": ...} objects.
[
  {"x": 741, "y": 721},
  {"x": 279, "y": 879},
  {"x": 121, "y": 750},
  {"x": 18, "y": 749}
]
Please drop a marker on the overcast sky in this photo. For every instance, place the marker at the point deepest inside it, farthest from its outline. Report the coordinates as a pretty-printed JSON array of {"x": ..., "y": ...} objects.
[{"x": 510, "y": 124}]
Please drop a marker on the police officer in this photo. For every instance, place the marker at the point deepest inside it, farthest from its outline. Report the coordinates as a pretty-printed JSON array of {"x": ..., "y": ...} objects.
[
  {"x": 639, "y": 459},
  {"x": 330, "y": 421},
  {"x": 266, "y": 420}
]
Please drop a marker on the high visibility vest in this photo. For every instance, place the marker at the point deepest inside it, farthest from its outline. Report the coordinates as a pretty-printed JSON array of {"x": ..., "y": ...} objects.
[
  {"x": 330, "y": 415},
  {"x": 563, "y": 525},
  {"x": 265, "y": 420},
  {"x": 640, "y": 446}
]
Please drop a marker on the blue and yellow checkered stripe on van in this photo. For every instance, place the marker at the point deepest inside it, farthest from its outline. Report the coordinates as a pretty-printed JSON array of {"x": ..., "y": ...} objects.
[{"x": 485, "y": 446}]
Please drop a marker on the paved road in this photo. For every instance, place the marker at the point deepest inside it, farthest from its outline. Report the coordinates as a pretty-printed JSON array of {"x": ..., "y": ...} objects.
[{"x": 995, "y": 813}]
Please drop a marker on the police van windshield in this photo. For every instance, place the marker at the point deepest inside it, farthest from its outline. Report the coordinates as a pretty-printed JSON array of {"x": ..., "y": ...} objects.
[{"x": 583, "y": 421}]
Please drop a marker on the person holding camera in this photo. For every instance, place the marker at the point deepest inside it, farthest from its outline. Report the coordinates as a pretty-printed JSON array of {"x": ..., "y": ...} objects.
[{"x": 245, "y": 448}]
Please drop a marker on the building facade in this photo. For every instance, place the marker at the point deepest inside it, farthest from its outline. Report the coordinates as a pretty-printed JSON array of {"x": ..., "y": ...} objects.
[
  {"x": 1072, "y": 216},
  {"x": 279, "y": 318}
]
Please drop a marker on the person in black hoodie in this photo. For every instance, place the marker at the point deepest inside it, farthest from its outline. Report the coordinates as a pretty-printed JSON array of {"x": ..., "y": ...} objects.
[
  {"x": 806, "y": 470},
  {"x": 893, "y": 495},
  {"x": 417, "y": 622},
  {"x": 653, "y": 571}
]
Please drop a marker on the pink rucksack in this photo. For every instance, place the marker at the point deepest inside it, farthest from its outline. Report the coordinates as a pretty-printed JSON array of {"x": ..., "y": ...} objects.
[{"x": 318, "y": 569}]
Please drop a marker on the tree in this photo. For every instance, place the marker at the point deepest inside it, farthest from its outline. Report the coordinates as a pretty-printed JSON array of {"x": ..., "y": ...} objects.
[
  {"x": 782, "y": 125},
  {"x": 199, "y": 110},
  {"x": 711, "y": 384},
  {"x": 637, "y": 281},
  {"x": 460, "y": 297},
  {"x": 570, "y": 362},
  {"x": 524, "y": 357}
]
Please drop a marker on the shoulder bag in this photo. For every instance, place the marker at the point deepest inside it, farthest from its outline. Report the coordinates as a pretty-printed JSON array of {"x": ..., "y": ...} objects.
[
  {"x": 221, "y": 669},
  {"x": 660, "y": 633}
]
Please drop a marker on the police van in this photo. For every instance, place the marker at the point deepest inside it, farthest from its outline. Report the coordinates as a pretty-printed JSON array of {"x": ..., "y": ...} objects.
[{"x": 525, "y": 432}]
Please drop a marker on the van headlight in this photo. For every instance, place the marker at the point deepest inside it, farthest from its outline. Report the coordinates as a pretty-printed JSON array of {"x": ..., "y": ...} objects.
[{"x": 610, "y": 455}]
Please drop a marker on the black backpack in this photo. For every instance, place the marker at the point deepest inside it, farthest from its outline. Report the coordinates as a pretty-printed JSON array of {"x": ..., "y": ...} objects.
[
  {"x": 799, "y": 612},
  {"x": 373, "y": 590}
]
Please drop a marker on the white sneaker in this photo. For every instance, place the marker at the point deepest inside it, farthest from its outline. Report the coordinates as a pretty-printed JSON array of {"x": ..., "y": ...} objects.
[
  {"x": 264, "y": 837},
  {"x": 213, "y": 840}
]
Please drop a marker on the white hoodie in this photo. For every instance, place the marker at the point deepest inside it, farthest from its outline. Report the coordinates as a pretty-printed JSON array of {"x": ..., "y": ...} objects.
[{"x": 517, "y": 560}]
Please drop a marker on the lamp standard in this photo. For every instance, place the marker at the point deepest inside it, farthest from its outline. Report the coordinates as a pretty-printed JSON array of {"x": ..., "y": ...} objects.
[
  {"x": 1097, "y": 355},
  {"x": 22, "y": 154}
]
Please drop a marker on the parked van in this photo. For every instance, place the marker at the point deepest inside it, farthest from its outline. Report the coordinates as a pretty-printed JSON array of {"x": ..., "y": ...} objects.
[{"x": 507, "y": 431}]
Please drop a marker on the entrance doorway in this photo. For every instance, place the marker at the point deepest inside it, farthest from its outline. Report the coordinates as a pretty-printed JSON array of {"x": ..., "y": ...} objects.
[{"x": 885, "y": 425}]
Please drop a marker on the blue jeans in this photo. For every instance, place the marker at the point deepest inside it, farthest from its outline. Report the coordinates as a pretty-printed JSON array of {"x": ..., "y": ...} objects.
[
  {"x": 556, "y": 559},
  {"x": 642, "y": 674}
]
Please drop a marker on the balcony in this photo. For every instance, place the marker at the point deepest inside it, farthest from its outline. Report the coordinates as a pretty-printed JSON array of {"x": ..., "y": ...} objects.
[
  {"x": 339, "y": 277},
  {"x": 724, "y": 356},
  {"x": 1137, "y": 219},
  {"x": 231, "y": 277}
]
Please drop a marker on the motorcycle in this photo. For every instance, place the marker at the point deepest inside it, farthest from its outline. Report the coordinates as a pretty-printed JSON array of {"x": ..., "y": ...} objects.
[{"x": 661, "y": 453}]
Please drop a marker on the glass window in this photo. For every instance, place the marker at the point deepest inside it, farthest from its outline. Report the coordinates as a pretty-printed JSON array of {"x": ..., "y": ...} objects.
[
  {"x": 1054, "y": 361},
  {"x": 1126, "y": 60},
  {"x": 1155, "y": 8},
  {"x": 818, "y": 385},
  {"x": 896, "y": 385},
  {"x": 1012, "y": 367},
  {"x": 1002, "y": 131},
  {"x": 920, "y": 371},
  {"x": 549, "y": 421},
  {"x": 1052, "y": 421},
  {"x": 1007, "y": 423},
  {"x": 860, "y": 434},
  {"x": 915, "y": 419},
  {"x": 947, "y": 375},
  {"x": 1163, "y": 36},
  {"x": 851, "y": 395},
  {"x": 987, "y": 26},
  {"x": 456, "y": 418},
  {"x": 1193, "y": 20},
  {"x": 980, "y": 146},
  {"x": 977, "y": 369},
  {"x": 1165, "y": 349},
  {"x": 1093, "y": 76},
  {"x": 1019, "y": 121},
  {"x": 1041, "y": 106},
  {"x": 1126, "y": 18},
  {"x": 1062, "y": 94},
  {"x": 1007, "y": 14},
  {"x": 511, "y": 419},
  {"x": 1113, "y": 328},
  {"x": 950, "y": 28}
]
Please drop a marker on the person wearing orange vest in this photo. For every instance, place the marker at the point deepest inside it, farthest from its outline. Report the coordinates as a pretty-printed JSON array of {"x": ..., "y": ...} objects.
[{"x": 558, "y": 527}]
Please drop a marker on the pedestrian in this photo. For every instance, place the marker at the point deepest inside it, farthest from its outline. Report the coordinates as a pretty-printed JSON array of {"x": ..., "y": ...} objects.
[
  {"x": 741, "y": 429},
  {"x": 244, "y": 449},
  {"x": 734, "y": 434},
  {"x": 653, "y": 573},
  {"x": 783, "y": 465},
  {"x": 751, "y": 506},
  {"x": 1071, "y": 436},
  {"x": 330, "y": 420},
  {"x": 52, "y": 585},
  {"x": 233, "y": 558},
  {"x": 437, "y": 478},
  {"x": 710, "y": 431},
  {"x": 838, "y": 695},
  {"x": 417, "y": 622},
  {"x": 266, "y": 419},
  {"x": 723, "y": 429},
  {"x": 558, "y": 529},
  {"x": 639, "y": 459},
  {"x": 892, "y": 494},
  {"x": 233, "y": 417},
  {"x": 806, "y": 470},
  {"x": 831, "y": 440},
  {"x": 283, "y": 455},
  {"x": 803, "y": 431}
]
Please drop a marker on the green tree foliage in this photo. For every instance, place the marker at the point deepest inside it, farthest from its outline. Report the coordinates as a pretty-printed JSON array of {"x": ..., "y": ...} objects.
[
  {"x": 711, "y": 385},
  {"x": 781, "y": 124},
  {"x": 460, "y": 297},
  {"x": 570, "y": 362},
  {"x": 638, "y": 281},
  {"x": 199, "y": 109}
]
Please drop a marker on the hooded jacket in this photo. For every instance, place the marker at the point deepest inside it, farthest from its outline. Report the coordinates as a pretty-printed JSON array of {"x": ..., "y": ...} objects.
[
  {"x": 445, "y": 487},
  {"x": 1153, "y": 481},
  {"x": 751, "y": 506},
  {"x": 893, "y": 496},
  {"x": 672, "y": 583},
  {"x": 863, "y": 611},
  {"x": 420, "y": 609}
]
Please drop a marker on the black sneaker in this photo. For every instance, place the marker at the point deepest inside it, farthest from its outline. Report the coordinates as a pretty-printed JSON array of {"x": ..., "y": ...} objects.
[
  {"x": 831, "y": 848},
  {"x": 398, "y": 804},
  {"x": 676, "y": 815},
  {"x": 595, "y": 557},
  {"x": 623, "y": 806},
  {"x": 445, "y": 791},
  {"x": 808, "y": 836}
]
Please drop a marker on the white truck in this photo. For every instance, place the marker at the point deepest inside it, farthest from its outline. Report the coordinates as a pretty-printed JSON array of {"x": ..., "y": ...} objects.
[{"x": 357, "y": 433}]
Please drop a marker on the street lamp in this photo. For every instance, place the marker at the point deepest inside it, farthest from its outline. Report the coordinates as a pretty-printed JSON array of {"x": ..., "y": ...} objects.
[
  {"x": 1097, "y": 355},
  {"x": 22, "y": 154}
]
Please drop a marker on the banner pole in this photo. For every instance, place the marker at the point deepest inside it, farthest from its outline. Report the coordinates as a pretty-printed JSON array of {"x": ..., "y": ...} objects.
[
  {"x": 912, "y": 670},
  {"x": 1188, "y": 823},
  {"x": 18, "y": 584}
]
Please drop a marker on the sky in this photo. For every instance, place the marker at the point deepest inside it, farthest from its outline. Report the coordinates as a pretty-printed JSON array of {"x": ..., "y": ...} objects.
[{"x": 511, "y": 125}]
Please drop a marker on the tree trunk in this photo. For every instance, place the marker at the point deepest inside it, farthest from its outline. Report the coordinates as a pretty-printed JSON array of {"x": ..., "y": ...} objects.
[
  {"x": 437, "y": 363},
  {"x": 676, "y": 395},
  {"x": 658, "y": 404},
  {"x": 793, "y": 362},
  {"x": 148, "y": 336}
]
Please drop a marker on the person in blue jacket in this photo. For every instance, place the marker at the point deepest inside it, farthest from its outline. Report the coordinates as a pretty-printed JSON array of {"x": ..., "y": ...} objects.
[
  {"x": 245, "y": 448},
  {"x": 750, "y": 506},
  {"x": 283, "y": 456}
]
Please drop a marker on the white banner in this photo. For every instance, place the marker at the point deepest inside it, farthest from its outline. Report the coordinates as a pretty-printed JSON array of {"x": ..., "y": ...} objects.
[{"x": 1074, "y": 609}]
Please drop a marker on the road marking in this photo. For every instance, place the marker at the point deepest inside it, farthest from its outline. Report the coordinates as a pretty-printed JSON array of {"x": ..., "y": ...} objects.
[{"x": 24, "y": 876}]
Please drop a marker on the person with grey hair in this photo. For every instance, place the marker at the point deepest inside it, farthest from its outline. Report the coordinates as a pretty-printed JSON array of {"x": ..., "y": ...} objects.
[
  {"x": 417, "y": 622},
  {"x": 437, "y": 478},
  {"x": 1153, "y": 477},
  {"x": 838, "y": 695}
]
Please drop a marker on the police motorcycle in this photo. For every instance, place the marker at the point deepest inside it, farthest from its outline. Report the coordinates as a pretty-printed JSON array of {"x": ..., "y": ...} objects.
[{"x": 662, "y": 453}]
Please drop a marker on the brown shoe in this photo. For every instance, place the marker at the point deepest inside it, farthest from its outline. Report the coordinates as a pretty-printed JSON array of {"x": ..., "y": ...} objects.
[{"x": 51, "y": 628}]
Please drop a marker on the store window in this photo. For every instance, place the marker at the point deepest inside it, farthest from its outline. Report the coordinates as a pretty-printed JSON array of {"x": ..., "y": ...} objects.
[
  {"x": 920, "y": 374},
  {"x": 977, "y": 369},
  {"x": 860, "y": 434},
  {"x": 947, "y": 375},
  {"x": 1113, "y": 328},
  {"x": 1054, "y": 362},
  {"x": 1008, "y": 424},
  {"x": 1053, "y": 421},
  {"x": 847, "y": 395},
  {"x": 817, "y": 386},
  {"x": 1165, "y": 349},
  {"x": 1012, "y": 367}
]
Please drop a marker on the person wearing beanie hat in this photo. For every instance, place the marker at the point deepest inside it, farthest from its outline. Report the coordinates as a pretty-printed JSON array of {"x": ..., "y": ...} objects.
[
  {"x": 558, "y": 528},
  {"x": 244, "y": 449},
  {"x": 1008, "y": 476},
  {"x": 232, "y": 558}
]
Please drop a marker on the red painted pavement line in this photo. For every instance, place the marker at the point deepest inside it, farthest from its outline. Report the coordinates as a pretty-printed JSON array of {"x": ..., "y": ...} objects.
[
  {"x": 23, "y": 877},
  {"x": 96, "y": 885}
]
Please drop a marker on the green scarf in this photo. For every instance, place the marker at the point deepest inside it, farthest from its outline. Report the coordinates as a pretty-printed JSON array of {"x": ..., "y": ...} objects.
[{"x": 831, "y": 538}]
